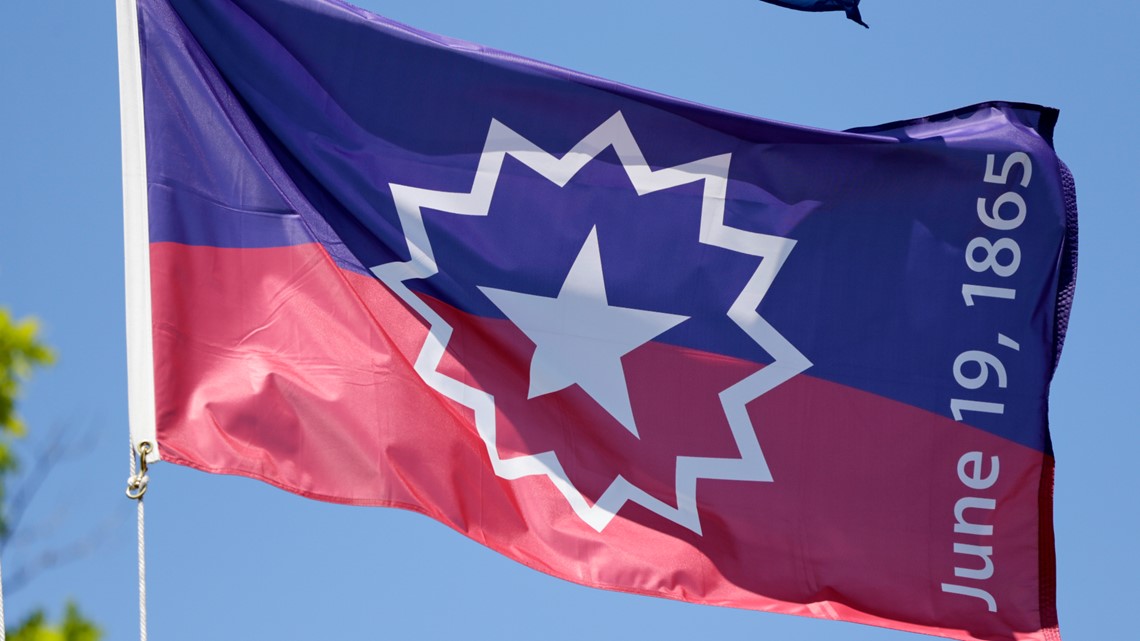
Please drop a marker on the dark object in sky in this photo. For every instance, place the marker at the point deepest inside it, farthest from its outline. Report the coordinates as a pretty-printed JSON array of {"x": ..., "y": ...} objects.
[{"x": 850, "y": 7}]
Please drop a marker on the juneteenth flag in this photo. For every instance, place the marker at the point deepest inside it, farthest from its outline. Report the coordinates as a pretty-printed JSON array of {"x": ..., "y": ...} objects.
[{"x": 627, "y": 340}]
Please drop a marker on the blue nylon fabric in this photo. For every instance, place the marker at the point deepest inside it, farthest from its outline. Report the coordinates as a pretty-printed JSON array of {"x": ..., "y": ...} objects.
[
  {"x": 328, "y": 105},
  {"x": 850, "y": 7},
  {"x": 209, "y": 172}
]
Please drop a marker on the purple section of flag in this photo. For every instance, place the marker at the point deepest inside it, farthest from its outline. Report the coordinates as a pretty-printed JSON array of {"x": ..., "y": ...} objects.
[{"x": 298, "y": 148}]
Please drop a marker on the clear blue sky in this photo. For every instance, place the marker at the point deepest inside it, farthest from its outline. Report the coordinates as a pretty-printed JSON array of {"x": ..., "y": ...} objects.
[{"x": 234, "y": 559}]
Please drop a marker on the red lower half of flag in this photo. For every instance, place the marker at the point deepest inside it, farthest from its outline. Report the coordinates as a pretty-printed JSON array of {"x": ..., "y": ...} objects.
[{"x": 276, "y": 364}]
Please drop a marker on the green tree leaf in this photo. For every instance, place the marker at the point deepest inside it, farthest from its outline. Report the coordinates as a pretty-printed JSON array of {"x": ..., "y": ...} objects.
[
  {"x": 73, "y": 627},
  {"x": 21, "y": 351}
]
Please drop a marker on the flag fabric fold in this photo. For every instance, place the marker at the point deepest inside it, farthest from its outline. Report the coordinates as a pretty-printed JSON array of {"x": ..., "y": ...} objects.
[
  {"x": 624, "y": 339},
  {"x": 849, "y": 7}
]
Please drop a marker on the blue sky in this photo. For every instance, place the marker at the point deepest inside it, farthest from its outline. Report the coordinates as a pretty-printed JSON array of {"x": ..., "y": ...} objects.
[{"x": 232, "y": 558}]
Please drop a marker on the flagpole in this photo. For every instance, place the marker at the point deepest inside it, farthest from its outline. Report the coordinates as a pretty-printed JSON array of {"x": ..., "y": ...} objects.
[{"x": 136, "y": 236}]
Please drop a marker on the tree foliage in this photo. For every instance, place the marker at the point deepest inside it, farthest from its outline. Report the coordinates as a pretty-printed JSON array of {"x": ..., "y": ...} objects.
[
  {"x": 73, "y": 627},
  {"x": 21, "y": 351}
]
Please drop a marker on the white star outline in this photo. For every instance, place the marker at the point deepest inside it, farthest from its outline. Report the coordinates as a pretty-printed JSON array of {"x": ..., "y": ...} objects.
[{"x": 713, "y": 171}]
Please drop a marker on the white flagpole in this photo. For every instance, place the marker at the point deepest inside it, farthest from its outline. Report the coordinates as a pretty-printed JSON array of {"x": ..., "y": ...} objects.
[{"x": 136, "y": 237}]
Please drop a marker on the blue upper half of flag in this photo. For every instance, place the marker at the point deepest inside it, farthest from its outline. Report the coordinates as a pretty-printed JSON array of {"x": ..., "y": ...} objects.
[{"x": 291, "y": 122}]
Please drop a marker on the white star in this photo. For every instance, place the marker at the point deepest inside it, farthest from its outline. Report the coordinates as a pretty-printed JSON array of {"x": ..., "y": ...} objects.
[{"x": 579, "y": 337}]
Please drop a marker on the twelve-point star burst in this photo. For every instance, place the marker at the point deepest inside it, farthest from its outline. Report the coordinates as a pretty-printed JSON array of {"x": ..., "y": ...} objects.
[
  {"x": 579, "y": 337},
  {"x": 567, "y": 329}
]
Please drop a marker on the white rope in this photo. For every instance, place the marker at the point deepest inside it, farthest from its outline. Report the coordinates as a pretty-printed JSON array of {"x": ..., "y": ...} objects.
[
  {"x": 2, "y": 631},
  {"x": 136, "y": 488},
  {"x": 142, "y": 577}
]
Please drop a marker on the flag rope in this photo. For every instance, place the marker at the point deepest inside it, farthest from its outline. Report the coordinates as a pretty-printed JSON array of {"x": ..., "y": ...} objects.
[
  {"x": 142, "y": 574},
  {"x": 136, "y": 488},
  {"x": 3, "y": 634}
]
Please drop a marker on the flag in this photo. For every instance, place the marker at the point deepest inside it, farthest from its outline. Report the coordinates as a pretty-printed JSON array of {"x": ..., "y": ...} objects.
[
  {"x": 624, "y": 339},
  {"x": 850, "y": 7}
]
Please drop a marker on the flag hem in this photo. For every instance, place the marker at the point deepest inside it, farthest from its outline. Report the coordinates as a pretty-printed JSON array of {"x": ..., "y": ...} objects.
[
  {"x": 1047, "y": 566},
  {"x": 136, "y": 232},
  {"x": 1067, "y": 285}
]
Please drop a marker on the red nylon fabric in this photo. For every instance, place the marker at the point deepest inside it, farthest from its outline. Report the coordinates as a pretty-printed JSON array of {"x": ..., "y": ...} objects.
[{"x": 278, "y": 365}]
